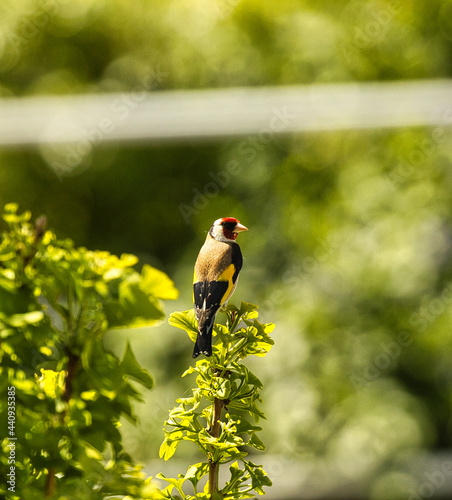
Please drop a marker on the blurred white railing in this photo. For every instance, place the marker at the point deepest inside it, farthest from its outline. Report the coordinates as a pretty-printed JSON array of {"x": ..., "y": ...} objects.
[{"x": 209, "y": 114}]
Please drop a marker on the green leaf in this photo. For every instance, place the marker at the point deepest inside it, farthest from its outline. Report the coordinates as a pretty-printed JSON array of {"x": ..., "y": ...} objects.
[
  {"x": 259, "y": 477},
  {"x": 186, "y": 321},
  {"x": 95, "y": 439},
  {"x": 247, "y": 307},
  {"x": 7, "y": 280},
  {"x": 134, "y": 307},
  {"x": 19, "y": 320},
  {"x": 131, "y": 367},
  {"x": 238, "y": 476},
  {"x": 243, "y": 425},
  {"x": 11, "y": 208},
  {"x": 255, "y": 442},
  {"x": 177, "y": 483},
  {"x": 168, "y": 448},
  {"x": 89, "y": 395},
  {"x": 158, "y": 284},
  {"x": 221, "y": 387},
  {"x": 253, "y": 380},
  {"x": 188, "y": 371},
  {"x": 196, "y": 472}
]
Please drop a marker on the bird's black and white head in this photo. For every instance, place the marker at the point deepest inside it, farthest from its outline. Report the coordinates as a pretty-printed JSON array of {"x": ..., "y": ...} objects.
[{"x": 226, "y": 229}]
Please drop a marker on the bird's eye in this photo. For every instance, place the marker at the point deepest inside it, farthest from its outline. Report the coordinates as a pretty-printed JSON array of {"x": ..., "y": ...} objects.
[{"x": 228, "y": 225}]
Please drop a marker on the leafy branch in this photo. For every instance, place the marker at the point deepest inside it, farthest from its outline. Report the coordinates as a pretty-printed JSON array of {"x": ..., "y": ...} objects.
[
  {"x": 56, "y": 303},
  {"x": 223, "y": 383}
]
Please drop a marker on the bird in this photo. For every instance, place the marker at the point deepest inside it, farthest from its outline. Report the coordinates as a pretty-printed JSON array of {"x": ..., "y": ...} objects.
[{"x": 215, "y": 277}]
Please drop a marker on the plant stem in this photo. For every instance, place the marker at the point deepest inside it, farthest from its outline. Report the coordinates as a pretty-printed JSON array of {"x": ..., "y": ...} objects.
[
  {"x": 215, "y": 432},
  {"x": 71, "y": 369},
  {"x": 72, "y": 366},
  {"x": 50, "y": 483},
  {"x": 40, "y": 229}
]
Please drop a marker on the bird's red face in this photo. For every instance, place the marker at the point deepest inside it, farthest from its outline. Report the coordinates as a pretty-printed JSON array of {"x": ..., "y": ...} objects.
[{"x": 227, "y": 228}]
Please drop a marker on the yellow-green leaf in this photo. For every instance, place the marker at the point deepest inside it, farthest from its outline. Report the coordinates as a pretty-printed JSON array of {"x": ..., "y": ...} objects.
[
  {"x": 185, "y": 320},
  {"x": 18, "y": 320},
  {"x": 167, "y": 449},
  {"x": 157, "y": 283}
]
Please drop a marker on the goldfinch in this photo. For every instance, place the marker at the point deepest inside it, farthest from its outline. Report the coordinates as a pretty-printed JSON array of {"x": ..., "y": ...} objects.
[{"x": 217, "y": 270}]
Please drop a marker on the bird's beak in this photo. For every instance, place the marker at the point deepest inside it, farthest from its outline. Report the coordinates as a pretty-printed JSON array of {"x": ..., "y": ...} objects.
[{"x": 239, "y": 227}]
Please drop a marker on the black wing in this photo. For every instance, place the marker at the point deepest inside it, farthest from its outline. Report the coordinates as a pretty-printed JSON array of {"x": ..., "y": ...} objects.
[
  {"x": 237, "y": 261},
  {"x": 208, "y": 298}
]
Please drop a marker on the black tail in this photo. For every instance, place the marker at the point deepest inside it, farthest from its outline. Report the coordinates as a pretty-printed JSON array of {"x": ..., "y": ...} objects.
[{"x": 203, "y": 344}]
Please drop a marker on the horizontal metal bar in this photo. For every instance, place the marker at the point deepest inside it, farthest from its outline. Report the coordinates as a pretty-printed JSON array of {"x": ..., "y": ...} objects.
[{"x": 211, "y": 114}]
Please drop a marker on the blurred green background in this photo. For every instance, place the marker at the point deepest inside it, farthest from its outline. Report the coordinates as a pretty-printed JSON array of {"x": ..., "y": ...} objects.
[{"x": 349, "y": 248}]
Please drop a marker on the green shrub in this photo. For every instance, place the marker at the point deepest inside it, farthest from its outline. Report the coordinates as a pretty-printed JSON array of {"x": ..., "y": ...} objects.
[{"x": 67, "y": 392}]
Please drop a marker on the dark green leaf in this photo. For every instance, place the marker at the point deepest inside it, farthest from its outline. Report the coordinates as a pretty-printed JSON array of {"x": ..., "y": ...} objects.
[{"x": 131, "y": 367}]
